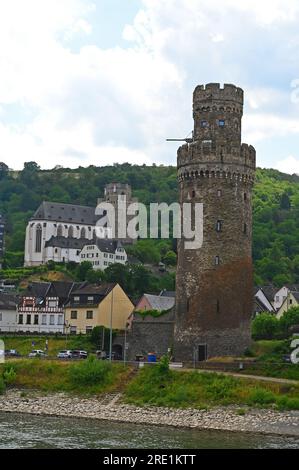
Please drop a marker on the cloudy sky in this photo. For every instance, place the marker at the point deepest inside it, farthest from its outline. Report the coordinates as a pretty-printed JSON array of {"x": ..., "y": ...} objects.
[{"x": 101, "y": 81}]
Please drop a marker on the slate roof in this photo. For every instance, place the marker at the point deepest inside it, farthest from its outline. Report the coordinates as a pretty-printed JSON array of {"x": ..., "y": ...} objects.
[
  {"x": 270, "y": 292},
  {"x": 167, "y": 293},
  {"x": 159, "y": 302},
  {"x": 60, "y": 289},
  {"x": 67, "y": 213},
  {"x": 105, "y": 245},
  {"x": 67, "y": 242},
  {"x": 8, "y": 302},
  {"x": 99, "y": 289}
]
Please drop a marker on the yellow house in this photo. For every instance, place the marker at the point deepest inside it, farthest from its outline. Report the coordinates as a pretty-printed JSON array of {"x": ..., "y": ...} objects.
[
  {"x": 292, "y": 300},
  {"x": 96, "y": 305}
]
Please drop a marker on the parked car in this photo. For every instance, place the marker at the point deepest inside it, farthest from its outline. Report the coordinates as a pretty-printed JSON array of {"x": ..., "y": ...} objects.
[
  {"x": 78, "y": 354},
  {"x": 65, "y": 354},
  {"x": 37, "y": 353},
  {"x": 287, "y": 358},
  {"x": 115, "y": 357},
  {"x": 12, "y": 353}
]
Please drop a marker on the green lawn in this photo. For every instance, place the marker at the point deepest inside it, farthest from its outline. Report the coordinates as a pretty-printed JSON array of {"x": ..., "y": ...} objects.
[
  {"x": 23, "y": 344},
  {"x": 158, "y": 387},
  {"x": 90, "y": 376}
]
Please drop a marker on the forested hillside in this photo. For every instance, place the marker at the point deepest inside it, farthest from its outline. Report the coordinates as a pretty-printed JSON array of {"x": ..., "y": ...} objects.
[{"x": 276, "y": 207}]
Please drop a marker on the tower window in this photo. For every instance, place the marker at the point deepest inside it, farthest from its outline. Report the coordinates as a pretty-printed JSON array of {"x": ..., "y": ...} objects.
[
  {"x": 219, "y": 226},
  {"x": 217, "y": 260},
  {"x": 219, "y": 193},
  {"x": 188, "y": 305},
  {"x": 218, "y": 306},
  {"x": 221, "y": 122},
  {"x": 245, "y": 229},
  {"x": 245, "y": 196},
  {"x": 193, "y": 193},
  {"x": 204, "y": 124}
]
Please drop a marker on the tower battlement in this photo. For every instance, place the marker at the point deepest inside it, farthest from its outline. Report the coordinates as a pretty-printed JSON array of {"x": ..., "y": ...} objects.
[{"x": 214, "y": 92}]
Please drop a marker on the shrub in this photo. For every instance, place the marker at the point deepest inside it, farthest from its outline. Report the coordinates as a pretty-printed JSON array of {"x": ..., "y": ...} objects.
[
  {"x": 261, "y": 396},
  {"x": 2, "y": 386},
  {"x": 90, "y": 372},
  {"x": 9, "y": 376},
  {"x": 265, "y": 326}
]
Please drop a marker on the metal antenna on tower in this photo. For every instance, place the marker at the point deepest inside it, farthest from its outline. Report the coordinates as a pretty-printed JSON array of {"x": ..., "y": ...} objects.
[{"x": 187, "y": 139}]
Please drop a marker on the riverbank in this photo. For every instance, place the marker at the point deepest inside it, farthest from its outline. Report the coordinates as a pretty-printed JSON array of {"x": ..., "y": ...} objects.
[{"x": 111, "y": 408}]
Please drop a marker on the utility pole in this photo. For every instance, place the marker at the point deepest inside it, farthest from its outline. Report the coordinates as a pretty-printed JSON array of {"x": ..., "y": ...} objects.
[{"x": 111, "y": 316}]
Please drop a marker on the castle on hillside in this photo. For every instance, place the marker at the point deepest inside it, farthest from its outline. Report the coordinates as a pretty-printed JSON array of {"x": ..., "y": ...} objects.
[
  {"x": 214, "y": 286},
  {"x": 59, "y": 232}
]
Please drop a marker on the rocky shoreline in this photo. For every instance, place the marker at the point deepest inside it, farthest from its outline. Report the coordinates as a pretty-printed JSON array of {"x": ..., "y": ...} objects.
[{"x": 111, "y": 408}]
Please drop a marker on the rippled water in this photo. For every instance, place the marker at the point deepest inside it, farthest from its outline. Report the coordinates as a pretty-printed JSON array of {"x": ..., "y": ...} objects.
[{"x": 26, "y": 431}]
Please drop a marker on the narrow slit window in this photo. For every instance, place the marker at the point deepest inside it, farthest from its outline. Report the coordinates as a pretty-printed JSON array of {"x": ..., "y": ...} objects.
[{"x": 219, "y": 226}]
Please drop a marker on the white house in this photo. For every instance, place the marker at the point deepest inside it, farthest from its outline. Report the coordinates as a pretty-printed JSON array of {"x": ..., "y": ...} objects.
[
  {"x": 102, "y": 253},
  {"x": 8, "y": 313},
  {"x": 41, "y": 307}
]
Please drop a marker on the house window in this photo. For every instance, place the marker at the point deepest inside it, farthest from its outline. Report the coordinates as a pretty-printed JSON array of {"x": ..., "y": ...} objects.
[
  {"x": 44, "y": 319},
  {"x": 73, "y": 330},
  {"x": 291, "y": 301},
  {"x": 60, "y": 319},
  {"x": 0, "y": 316},
  {"x": 52, "y": 303},
  {"x": 74, "y": 315},
  {"x": 76, "y": 299},
  {"x": 52, "y": 320},
  {"x": 36, "y": 319},
  {"x": 20, "y": 319},
  {"x": 89, "y": 314},
  {"x": 28, "y": 320},
  {"x": 219, "y": 226},
  {"x": 88, "y": 330},
  {"x": 90, "y": 299},
  {"x": 38, "y": 239}
]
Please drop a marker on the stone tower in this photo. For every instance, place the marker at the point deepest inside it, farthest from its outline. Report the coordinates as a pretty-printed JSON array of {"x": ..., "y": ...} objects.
[
  {"x": 214, "y": 284},
  {"x": 114, "y": 193}
]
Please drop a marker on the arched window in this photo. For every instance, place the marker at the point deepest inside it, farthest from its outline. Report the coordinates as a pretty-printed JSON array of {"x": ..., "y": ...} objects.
[
  {"x": 71, "y": 232},
  {"x": 38, "y": 239},
  {"x": 59, "y": 231},
  {"x": 83, "y": 233}
]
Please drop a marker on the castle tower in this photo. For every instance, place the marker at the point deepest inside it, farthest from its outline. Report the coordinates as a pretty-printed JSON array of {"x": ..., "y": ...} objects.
[
  {"x": 214, "y": 284},
  {"x": 115, "y": 193}
]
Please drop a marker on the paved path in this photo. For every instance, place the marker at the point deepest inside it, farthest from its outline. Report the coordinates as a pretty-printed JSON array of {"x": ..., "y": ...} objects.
[{"x": 244, "y": 376}]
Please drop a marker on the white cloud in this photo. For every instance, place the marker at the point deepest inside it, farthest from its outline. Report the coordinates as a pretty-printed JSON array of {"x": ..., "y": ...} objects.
[
  {"x": 96, "y": 105},
  {"x": 288, "y": 165}
]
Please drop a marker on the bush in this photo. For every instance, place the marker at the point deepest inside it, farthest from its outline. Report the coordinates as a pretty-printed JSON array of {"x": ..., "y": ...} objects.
[
  {"x": 261, "y": 396},
  {"x": 90, "y": 372},
  {"x": 265, "y": 326},
  {"x": 9, "y": 376},
  {"x": 2, "y": 386}
]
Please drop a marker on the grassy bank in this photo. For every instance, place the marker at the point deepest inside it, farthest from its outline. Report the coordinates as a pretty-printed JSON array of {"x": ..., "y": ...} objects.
[
  {"x": 84, "y": 377},
  {"x": 161, "y": 387},
  {"x": 23, "y": 344}
]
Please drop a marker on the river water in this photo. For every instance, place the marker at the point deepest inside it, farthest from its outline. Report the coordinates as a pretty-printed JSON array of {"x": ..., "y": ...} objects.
[{"x": 37, "y": 432}]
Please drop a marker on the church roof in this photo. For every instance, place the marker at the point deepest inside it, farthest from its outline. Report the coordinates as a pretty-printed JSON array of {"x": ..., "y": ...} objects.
[
  {"x": 67, "y": 242},
  {"x": 66, "y": 213},
  {"x": 105, "y": 245}
]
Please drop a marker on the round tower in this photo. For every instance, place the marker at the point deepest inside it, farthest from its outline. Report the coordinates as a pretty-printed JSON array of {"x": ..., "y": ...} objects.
[{"x": 214, "y": 284}]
